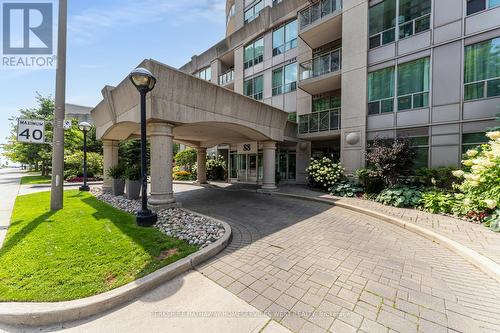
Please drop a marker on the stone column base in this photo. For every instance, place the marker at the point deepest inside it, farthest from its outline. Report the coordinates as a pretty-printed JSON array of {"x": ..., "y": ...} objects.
[{"x": 106, "y": 189}]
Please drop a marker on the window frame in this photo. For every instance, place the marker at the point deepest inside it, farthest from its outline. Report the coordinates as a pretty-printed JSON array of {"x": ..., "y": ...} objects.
[
  {"x": 255, "y": 60},
  {"x": 487, "y": 6},
  {"x": 258, "y": 96},
  {"x": 202, "y": 74},
  {"x": 284, "y": 87},
  {"x": 254, "y": 14},
  {"x": 287, "y": 45}
]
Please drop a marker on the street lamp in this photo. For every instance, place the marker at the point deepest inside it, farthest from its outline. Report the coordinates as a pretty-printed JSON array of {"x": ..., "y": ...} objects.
[
  {"x": 144, "y": 81},
  {"x": 84, "y": 127}
]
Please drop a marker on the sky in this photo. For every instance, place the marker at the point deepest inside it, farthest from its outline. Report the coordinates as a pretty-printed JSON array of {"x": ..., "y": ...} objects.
[{"x": 107, "y": 39}]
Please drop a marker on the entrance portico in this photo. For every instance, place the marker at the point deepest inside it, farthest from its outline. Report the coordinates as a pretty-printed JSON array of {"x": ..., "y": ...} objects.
[{"x": 192, "y": 112}]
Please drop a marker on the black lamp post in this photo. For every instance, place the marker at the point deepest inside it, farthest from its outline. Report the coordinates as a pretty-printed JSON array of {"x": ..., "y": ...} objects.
[
  {"x": 144, "y": 81},
  {"x": 84, "y": 127}
]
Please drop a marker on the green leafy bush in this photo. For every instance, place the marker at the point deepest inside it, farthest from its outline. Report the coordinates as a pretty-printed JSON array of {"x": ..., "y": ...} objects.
[
  {"x": 371, "y": 184},
  {"x": 390, "y": 160},
  {"x": 441, "y": 178},
  {"x": 186, "y": 159},
  {"x": 401, "y": 196},
  {"x": 493, "y": 221},
  {"x": 346, "y": 189},
  {"x": 436, "y": 201},
  {"x": 117, "y": 171},
  {"x": 183, "y": 175},
  {"x": 133, "y": 172},
  {"x": 324, "y": 173},
  {"x": 73, "y": 165}
]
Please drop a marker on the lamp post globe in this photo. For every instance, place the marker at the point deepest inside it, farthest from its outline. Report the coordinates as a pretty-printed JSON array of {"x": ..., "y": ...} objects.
[
  {"x": 144, "y": 81},
  {"x": 84, "y": 127}
]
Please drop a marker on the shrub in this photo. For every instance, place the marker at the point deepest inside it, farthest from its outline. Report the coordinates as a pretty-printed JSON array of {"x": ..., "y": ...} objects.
[
  {"x": 183, "y": 175},
  {"x": 390, "y": 160},
  {"x": 117, "y": 171},
  {"x": 401, "y": 196},
  {"x": 371, "y": 184},
  {"x": 186, "y": 158},
  {"x": 346, "y": 189},
  {"x": 481, "y": 176},
  {"x": 493, "y": 221},
  {"x": 216, "y": 168},
  {"x": 133, "y": 172},
  {"x": 324, "y": 173},
  {"x": 73, "y": 165},
  {"x": 441, "y": 178},
  {"x": 435, "y": 201}
]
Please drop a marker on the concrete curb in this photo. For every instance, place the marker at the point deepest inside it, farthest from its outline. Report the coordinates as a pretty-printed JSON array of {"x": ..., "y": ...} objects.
[
  {"x": 42, "y": 314},
  {"x": 485, "y": 264}
]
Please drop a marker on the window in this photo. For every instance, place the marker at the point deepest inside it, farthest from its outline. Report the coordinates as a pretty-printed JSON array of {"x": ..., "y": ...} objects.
[
  {"x": 285, "y": 38},
  {"x": 472, "y": 140},
  {"x": 414, "y": 17},
  {"x": 482, "y": 70},
  {"x": 205, "y": 74},
  {"x": 254, "y": 87},
  {"x": 413, "y": 84},
  {"x": 253, "y": 12},
  {"x": 474, "y": 6},
  {"x": 381, "y": 91},
  {"x": 322, "y": 103},
  {"x": 285, "y": 79},
  {"x": 292, "y": 116},
  {"x": 382, "y": 23},
  {"x": 231, "y": 13},
  {"x": 254, "y": 53},
  {"x": 421, "y": 146}
]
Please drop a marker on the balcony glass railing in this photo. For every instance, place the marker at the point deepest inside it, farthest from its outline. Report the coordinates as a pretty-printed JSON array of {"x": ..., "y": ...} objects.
[
  {"x": 321, "y": 65},
  {"x": 317, "y": 11},
  {"x": 226, "y": 78},
  {"x": 328, "y": 120}
]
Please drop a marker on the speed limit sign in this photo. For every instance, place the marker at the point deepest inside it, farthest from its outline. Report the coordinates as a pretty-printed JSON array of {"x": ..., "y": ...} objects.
[{"x": 31, "y": 131}]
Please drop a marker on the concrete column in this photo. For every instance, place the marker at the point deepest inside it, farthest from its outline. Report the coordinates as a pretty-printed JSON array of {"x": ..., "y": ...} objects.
[
  {"x": 162, "y": 145},
  {"x": 269, "y": 161},
  {"x": 201, "y": 161},
  {"x": 110, "y": 152}
]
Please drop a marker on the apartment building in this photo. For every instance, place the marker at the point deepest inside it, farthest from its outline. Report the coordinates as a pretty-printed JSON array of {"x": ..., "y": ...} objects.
[{"x": 350, "y": 71}]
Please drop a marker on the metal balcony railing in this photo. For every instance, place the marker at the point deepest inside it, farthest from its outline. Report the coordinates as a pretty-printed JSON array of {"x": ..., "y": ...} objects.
[
  {"x": 321, "y": 65},
  {"x": 317, "y": 11},
  {"x": 226, "y": 78},
  {"x": 328, "y": 120}
]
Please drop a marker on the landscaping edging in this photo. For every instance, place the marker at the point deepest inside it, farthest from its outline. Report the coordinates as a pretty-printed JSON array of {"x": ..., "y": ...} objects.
[
  {"x": 485, "y": 264},
  {"x": 42, "y": 314}
]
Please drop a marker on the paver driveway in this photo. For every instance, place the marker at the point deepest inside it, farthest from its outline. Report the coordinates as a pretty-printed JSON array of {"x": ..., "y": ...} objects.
[{"x": 318, "y": 268}]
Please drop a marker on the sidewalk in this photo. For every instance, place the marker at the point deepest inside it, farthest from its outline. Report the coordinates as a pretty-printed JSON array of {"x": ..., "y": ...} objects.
[
  {"x": 10, "y": 180},
  {"x": 189, "y": 303},
  {"x": 474, "y": 236}
]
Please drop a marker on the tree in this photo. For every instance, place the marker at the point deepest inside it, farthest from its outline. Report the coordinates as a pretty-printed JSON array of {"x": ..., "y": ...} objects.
[
  {"x": 390, "y": 160},
  {"x": 186, "y": 159}
]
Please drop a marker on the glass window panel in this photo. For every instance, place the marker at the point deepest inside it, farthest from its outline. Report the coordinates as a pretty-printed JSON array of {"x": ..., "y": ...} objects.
[
  {"x": 259, "y": 84},
  {"x": 493, "y": 88},
  {"x": 413, "y": 76},
  {"x": 387, "y": 105},
  {"x": 388, "y": 36},
  {"x": 291, "y": 73},
  {"x": 412, "y": 9},
  {"x": 248, "y": 53},
  {"x": 292, "y": 116},
  {"x": 258, "y": 7},
  {"x": 334, "y": 120},
  {"x": 422, "y": 24},
  {"x": 374, "y": 108},
  {"x": 404, "y": 103},
  {"x": 248, "y": 14},
  {"x": 474, "y": 91},
  {"x": 374, "y": 41},
  {"x": 419, "y": 141},
  {"x": 259, "y": 50},
  {"x": 474, "y": 6},
  {"x": 421, "y": 158},
  {"x": 336, "y": 102},
  {"x": 381, "y": 84},
  {"x": 482, "y": 61},
  {"x": 291, "y": 33},
  {"x": 248, "y": 87},
  {"x": 382, "y": 16},
  {"x": 406, "y": 30},
  {"x": 208, "y": 74},
  {"x": 421, "y": 100},
  {"x": 493, "y": 3},
  {"x": 278, "y": 40},
  {"x": 324, "y": 121},
  {"x": 277, "y": 81},
  {"x": 303, "y": 124},
  {"x": 475, "y": 138}
]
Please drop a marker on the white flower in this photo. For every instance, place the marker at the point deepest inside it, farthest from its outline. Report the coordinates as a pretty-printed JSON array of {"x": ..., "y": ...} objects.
[
  {"x": 493, "y": 135},
  {"x": 472, "y": 152},
  {"x": 491, "y": 204},
  {"x": 458, "y": 173}
]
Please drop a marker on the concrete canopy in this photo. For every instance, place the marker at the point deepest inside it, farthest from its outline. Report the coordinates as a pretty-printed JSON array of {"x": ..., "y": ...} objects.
[{"x": 202, "y": 114}]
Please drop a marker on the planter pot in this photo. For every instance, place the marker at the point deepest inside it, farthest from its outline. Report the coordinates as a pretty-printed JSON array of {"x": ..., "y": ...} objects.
[
  {"x": 133, "y": 189},
  {"x": 118, "y": 187}
]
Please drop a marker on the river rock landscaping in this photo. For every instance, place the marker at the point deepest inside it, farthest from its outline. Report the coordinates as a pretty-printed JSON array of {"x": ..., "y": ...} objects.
[{"x": 194, "y": 229}]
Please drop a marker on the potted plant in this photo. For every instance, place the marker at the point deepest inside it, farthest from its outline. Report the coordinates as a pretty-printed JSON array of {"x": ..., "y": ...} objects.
[
  {"x": 133, "y": 182},
  {"x": 117, "y": 173}
]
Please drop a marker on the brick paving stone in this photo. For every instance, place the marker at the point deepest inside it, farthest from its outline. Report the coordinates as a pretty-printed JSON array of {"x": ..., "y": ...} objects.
[
  {"x": 397, "y": 323},
  {"x": 323, "y": 278},
  {"x": 286, "y": 301},
  {"x": 311, "y": 328},
  {"x": 339, "y": 326},
  {"x": 370, "y": 326},
  {"x": 261, "y": 303}
]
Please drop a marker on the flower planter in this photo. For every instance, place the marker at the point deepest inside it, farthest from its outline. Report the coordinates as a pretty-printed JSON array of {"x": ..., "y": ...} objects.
[
  {"x": 132, "y": 189},
  {"x": 118, "y": 187}
]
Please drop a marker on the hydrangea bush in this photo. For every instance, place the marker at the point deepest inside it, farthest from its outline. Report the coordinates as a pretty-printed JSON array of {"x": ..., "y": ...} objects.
[{"x": 324, "y": 173}]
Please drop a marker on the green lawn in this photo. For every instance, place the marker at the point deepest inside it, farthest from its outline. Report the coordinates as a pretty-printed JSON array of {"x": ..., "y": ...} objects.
[
  {"x": 85, "y": 249},
  {"x": 35, "y": 179}
]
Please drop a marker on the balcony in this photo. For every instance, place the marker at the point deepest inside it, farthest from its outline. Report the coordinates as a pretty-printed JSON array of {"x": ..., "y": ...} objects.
[
  {"x": 320, "y": 122},
  {"x": 226, "y": 78},
  {"x": 321, "y": 23},
  {"x": 322, "y": 73}
]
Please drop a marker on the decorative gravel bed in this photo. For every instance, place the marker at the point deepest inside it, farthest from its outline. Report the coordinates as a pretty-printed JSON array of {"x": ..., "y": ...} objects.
[{"x": 175, "y": 222}]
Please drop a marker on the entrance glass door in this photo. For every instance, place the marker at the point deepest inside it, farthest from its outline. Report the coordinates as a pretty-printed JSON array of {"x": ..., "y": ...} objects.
[
  {"x": 252, "y": 168},
  {"x": 242, "y": 168}
]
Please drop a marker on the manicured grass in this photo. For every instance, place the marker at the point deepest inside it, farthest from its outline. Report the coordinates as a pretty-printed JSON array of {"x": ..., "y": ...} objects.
[
  {"x": 85, "y": 249},
  {"x": 35, "y": 179}
]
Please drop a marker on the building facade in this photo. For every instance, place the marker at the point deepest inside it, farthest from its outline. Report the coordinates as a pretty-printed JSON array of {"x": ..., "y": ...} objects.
[{"x": 350, "y": 71}]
